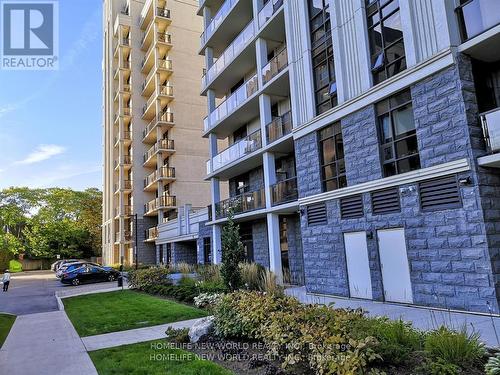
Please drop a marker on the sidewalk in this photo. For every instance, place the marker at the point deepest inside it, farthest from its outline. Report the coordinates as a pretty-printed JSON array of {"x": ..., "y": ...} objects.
[
  {"x": 133, "y": 336},
  {"x": 44, "y": 344},
  {"x": 421, "y": 317}
]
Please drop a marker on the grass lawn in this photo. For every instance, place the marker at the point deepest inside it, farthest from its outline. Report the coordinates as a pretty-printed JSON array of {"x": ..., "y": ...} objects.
[
  {"x": 93, "y": 314},
  {"x": 6, "y": 322},
  {"x": 143, "y": 359}
]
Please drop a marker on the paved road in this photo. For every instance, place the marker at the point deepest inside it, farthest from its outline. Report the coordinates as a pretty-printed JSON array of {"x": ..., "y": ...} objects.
[{"x": 34, "y": 292}]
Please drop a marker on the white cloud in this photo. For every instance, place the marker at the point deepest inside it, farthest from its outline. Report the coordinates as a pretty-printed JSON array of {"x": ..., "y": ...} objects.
[
  {"x": 6, "y": 109},
  {"x": 42, "y": 152}
]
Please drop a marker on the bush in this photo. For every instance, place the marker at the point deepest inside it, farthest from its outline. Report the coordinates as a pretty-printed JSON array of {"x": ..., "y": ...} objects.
[
  {"x": 180, "y": 336},
  {"x": 232, "y": 254},
  {"x": 493, "y": 365},
  {"x": 210, "y": 273},
  {"x": 15, "y": 266},
  {"x": 269, "y": 283},
  {"x": 143, "y": 279},
  {"x": 455, "y": 347},
  {"x": 207, "y": 300},
  {"x": 251, "y": 274}
]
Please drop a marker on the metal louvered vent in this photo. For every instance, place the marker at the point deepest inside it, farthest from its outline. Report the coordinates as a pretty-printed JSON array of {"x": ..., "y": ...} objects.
[
  {"x": 440, "y": 194},
  {"x": 316, "y": 214},
  {"x": 351, "y": 207},
  {"x": 385, "y": 201}
]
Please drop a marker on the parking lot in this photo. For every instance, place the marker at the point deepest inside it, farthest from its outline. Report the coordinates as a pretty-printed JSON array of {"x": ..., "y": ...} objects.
[{"x": 34, "y": 292}]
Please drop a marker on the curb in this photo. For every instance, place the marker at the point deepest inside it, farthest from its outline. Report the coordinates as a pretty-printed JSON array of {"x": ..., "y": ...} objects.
[{"x": 60, "y": 294}]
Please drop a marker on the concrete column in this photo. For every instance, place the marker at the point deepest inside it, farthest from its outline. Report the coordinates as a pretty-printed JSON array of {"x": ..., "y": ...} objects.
[
  {"x": 265, "y": 116},
  {"x": 207, "y": 17},
  {"x": 187, "y": 218},
  {"x": 269, "y": 175},
  {"x": 158, "y": 260},
  {"x": 261, "y": 54},
  {"x": 180, "y": 214},
  {"x": 209, "y": 57},
  {"x": 273, "y": 235},
  {"x": 216, "y": 244},
  {"x": 407, "y": 25}
]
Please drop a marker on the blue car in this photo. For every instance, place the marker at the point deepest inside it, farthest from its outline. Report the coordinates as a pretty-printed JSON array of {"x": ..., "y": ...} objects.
[{"x": 89, "y": 273}]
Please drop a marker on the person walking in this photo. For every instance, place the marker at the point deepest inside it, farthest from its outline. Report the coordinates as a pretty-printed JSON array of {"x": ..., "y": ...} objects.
[{"x": 6, "y": 280}]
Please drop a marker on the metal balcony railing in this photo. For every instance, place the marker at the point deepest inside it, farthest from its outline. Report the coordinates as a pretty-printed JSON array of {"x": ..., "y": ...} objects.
[
  {"x": 232, "y": 102},
  {"x": 247, "y": 145},
  {"x": 166, "y": 90},
  {"x": 151, "y": 234},
  {"x": 241, "y": 203},
  {"x": 163, "y": 172},
  {"x": 164, "y": 38},
  {"x": 162, "y": 202},
  {"x": 491, "y": 129},
  {"x": 268, "y": 10},
  {"x": 162, "y": 145},
  {"x": 477, "y": 16},
  {"x": 165, "y": 64},
  {"x": 279, "y": 127},
  {"x": 275, "y": 66},
  {"x": 163, "y": 12},
  {"x": 127, "y": 236},
  {"x": 284, "y": 191}
]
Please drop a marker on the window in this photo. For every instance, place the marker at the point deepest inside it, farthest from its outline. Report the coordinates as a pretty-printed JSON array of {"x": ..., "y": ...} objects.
[
  {"x": 325, "y": 86},
  {"x": 397, "y": 135},
  {"x": 207, "y": 250},
  {"x": 332, "y": 157},
  {"x": 385, "y": 36}
]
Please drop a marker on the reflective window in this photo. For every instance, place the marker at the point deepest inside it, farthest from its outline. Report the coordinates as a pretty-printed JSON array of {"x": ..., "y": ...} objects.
[
  {"x": 397, "y": 135},
  {"x": 385, "y": 35},
  {"x": 332, "y": 157}
]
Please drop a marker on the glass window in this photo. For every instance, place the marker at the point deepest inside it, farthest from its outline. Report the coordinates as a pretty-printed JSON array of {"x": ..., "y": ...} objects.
[
  {"x": 397, "y": 134},
  {"x": 332, "y": 157},
  {"x": 325, "y": 85},
  {"x": 385, "y": 35}
]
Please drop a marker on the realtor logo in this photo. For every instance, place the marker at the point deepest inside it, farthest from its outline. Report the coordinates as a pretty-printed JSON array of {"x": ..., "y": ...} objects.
[{"x": 29, "y": 35}]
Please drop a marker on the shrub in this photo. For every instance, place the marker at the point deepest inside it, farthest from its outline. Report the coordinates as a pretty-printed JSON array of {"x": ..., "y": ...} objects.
[
  {"x": 143, "y": 279},
  {"x": 438, "y": 367},
  {"x": 207, "y": 300},
  {"x": 180, "y": 336},
  {"x": 251, "y": 275},
  {"x": 232, "y": 254},
  {"x": 456, "y": 347},
  {"x": 210, "y": 273},
  {"x": 183, "y": 267},
  {"x": 269, "y": 283},
  {"x": 493, "y": 365}
]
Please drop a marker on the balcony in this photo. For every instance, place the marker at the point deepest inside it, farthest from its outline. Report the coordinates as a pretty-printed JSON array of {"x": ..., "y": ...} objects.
[
  {"x": 241, "y": 203},
  {"x": 165, "y": 173},
  {"x": 166, "y": 119},
  {"x": 125, "y": 160},
  {"x": 279, "y": 127},
  {"x": 268, "y": 10},
  {"x": 124, "y": 136},
  {"x": 236, "y": 151},
  {"x": 126, "y": 185},
  {"x": 127, "y": 211},
  {"x": 124, "y": 113},
  {"x": 284, "y": 191},
  {"x": 232, "y": 102},
  {"x": 162, "y": 13},
  {"x": 122, "y": 43},
  {"x": 162, "y": 203},
  {"x": 127, "y": 236},
  {"x": 151, "y": 234},
  {"x": 275, "y": 66},
  {"x": 164, "y": 145},
  {"x": 491, "y": 130},
  {"x": 219, "y": 17},
  {"x": 231, "y": 52}
]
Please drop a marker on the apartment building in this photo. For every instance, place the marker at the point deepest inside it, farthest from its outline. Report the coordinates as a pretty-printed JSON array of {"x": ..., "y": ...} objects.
[
  {"x": 363, "y": 144},
  {"x": 153, "y": 150}
]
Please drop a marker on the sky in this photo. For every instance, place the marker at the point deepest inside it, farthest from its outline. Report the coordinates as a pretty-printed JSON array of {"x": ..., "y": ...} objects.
[{"x": 51, "y": 121}]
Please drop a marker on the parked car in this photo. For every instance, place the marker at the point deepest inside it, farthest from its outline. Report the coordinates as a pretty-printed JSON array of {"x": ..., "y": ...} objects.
[
  {"x": 68, "y": 267},
  {"x": 56, "y": 265},
  {"x": 89, "y": 274}
]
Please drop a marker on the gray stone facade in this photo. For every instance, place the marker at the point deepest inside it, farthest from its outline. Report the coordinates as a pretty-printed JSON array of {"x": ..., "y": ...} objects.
[
  {"x": 295, "y": 256},
  {"x": 203, "y": 232},
  {"x": 146, "y": 251},
  {"x": 184, "y": 252},
  {"x": 260, "y": 243},
  {"x": 453, "y": 254}
]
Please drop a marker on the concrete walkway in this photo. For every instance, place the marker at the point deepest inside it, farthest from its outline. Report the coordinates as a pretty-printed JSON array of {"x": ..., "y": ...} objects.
[
  {"x": 44, "y": 344},
  {"x": 133, "y": 336},
  {"x": 423, "y": 318}
]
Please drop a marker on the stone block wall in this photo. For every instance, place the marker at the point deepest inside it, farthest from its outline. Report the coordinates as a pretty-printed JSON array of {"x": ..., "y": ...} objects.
[
  {"x": 260, "y": 243},
  {"x": 146, "y": 251},
  {"x": 204, "y": 231},
  {"x": 184, "y": 252},
  {"x": 295, "y": 255}
]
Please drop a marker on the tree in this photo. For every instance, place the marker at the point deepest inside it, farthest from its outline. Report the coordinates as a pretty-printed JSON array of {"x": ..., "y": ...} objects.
[{"x": 232, "y": 254}]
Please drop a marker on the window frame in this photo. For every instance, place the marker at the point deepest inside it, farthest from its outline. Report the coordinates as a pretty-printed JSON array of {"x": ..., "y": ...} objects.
[{"x": 338, "y": 176}]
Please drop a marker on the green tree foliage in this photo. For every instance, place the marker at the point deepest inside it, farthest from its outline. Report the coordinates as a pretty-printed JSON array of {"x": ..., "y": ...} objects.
[
  {"x": 46, "y": 222},
  {"x": 233, "y": 254}
]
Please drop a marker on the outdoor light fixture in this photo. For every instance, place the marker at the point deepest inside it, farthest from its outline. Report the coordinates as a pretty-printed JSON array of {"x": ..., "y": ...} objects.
[
  {"x": 369, "y": 235},
  {"x": 465, "y": 180}
]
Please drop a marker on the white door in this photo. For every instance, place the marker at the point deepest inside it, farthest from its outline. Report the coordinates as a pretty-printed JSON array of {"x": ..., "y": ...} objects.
[
  {"x": 358, "y": 266},
  {"x": 394, "y": 263}
]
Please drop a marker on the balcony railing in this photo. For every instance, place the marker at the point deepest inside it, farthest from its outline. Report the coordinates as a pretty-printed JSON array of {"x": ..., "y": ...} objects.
[
  {"x": 477, "y": 16},
  {"x": 166, "y": 90},
  {"x": 127, "y": 211},
  {"x": 491, "y": 129},
  {"x": 162, "y": 12},
  {"x": 219, "y": 17},
  {"x": 230, "y": 53},
  {"x": 284, "y": 191},
  {"x": 159, "y": 203},
  {"x": 232, "y": 102},
  {"x": 236, "y": 151},
  {"x": 125, "y": 112},
  {"x": 275, "y": 66},
  {"x": 279, "y": 127},
  {"x": 165, "y": 117},
  {"x": 164, "y": 144},
  {"x": 165, "y": 38},
  {"x": 165, "y": 64},
  {"x": 124, "y": 136},
  {"x": 164, "y": 172},
  {"x": 268, "y": 10},
  {"x": 151, "y": 234},
  {"x": 127, "y": 159},
  {"x": 127, "y": 236},
  {"x": 241, "y": 203},
  {"x": 125, "y": 42}
]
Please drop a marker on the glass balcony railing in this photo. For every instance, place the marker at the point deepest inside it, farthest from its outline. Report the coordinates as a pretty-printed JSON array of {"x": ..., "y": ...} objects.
[
  {"x": 232, "y": 102},
  {"x": 219, "y": 17},
  {"x": 237, "y": 45},
  {"x": 236, "y": 151},
  {"x": 491, "y": 129},
  {"x": 284, "y": 191},
  {"x": 279, "y": 127},
  {"x": 275, "y": 66},
  {"x": 241, "y": 203},
  {"x": 477, "y": 16},
  {"x": 268, "y": 10}
]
